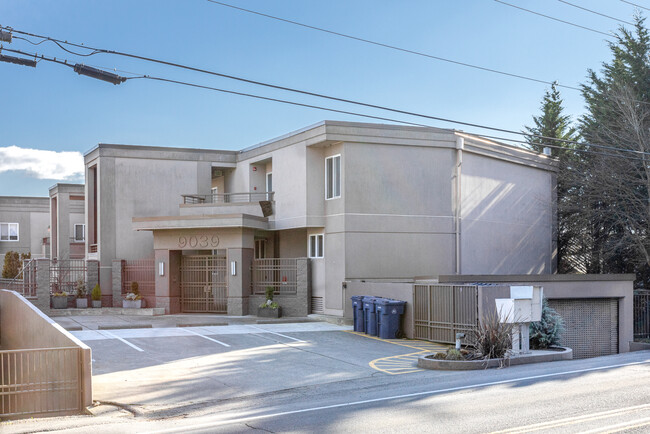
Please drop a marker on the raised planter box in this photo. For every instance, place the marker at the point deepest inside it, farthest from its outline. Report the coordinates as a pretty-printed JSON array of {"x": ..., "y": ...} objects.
[
  {"x": 266, "y": 312},
  {"x": 97, "y": 304},
  {"x": 131, "y": 304},
  {"x": 536, "y": 356},
  {"x": 639, "y": 346},
  {"x": 82, "y": 303},
  {"x": 59, "y": 302}
]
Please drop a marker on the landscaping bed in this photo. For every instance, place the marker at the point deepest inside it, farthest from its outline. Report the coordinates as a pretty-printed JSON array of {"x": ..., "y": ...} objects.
[{"x": 429, "y": 361}]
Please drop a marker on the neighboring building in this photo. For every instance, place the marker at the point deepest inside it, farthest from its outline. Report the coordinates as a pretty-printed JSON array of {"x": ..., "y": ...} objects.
[
  {"x": 363, "y": 201},
  {"x": 67, "y": 222},
  {"x": 24, "y": 225}
]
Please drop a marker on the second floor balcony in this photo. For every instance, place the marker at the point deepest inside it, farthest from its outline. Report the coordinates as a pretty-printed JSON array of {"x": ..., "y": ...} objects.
[{"x": 223, "y": 198}]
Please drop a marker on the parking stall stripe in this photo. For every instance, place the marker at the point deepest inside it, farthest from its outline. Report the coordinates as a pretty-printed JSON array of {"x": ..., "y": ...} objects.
[
  {"x": 205, "y": 337},
  {"x": 112, "y": 336},
  {"x": 274, "y": 333}
]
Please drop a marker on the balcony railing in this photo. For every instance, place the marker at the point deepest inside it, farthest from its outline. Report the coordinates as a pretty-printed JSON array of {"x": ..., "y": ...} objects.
[{"x": 253, "y": 196}]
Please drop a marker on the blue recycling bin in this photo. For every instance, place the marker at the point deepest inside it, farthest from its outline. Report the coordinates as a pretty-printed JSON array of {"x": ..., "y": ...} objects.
[
  {"x": 389, "y": 313},
  {"x": 357, "y": 311},
  {"x": 369, "y": 314}
]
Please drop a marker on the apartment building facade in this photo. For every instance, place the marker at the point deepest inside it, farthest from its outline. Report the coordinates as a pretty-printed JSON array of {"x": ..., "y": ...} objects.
[
  {"x": 24, "y": 224},
  {"x": 361, "y": 201}
]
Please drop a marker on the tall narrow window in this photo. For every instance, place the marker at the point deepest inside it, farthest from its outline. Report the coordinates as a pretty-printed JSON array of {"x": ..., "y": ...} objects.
[
  {"x": 316, "y": 248},
  {"x": 269, "y": 185},
  {"x": 8, "y": 231},
  {"x": 260, "y": 249},
  {"x": 80, "y": 232},
  {"x": 333, "y": 177}
]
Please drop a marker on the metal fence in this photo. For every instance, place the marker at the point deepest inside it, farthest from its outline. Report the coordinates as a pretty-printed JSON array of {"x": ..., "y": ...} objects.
[
  {"x": 641, "y": 314},
  {"x": 253, "y": 196},
  {"x": 40, "y": 382},
  {"x": 280, "y": 274},
  {"x": 64, "y": 274},
  {"x": 143, "y": 272},
  {"x": 25, "y": 282},
  {"x": 441, "y": 311}
]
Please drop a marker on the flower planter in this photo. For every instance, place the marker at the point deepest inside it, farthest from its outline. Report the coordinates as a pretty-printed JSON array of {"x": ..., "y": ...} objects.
[
  {"x": 82, "y": 303},
  {"x": 132, "y": 304},
  {"x": 60, "y": 302},
  {"x": 267, "y": 312},
  {"x": 97, "y": 304}
]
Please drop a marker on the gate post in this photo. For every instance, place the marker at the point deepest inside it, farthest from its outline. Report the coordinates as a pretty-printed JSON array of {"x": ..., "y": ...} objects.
[
  {"x": 92, "y": 274},
  {"x": 239, "y": 285},
  {"x": 116, "y": 287},
  {"x": 42, "y": 285}
]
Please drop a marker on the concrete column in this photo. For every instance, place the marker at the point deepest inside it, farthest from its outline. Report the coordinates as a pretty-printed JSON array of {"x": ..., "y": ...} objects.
[
  {"x": 92, "y": 274},
  {"x": 168, "y": 291},
  {"x": 239, "y": 286},
  {"x": 116, "y": 286},
  {"x": 303, "y": 290},
  {"x": 43, "y": 285}
]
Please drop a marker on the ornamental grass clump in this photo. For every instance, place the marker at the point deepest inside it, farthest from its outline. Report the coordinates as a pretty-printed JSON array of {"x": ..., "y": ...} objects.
[
  {"x": 80, "y": 288},
  {"x": 269, "y": 303},
  {"x": 547, "y": 332},
  {"x": 492, "y": 338}
]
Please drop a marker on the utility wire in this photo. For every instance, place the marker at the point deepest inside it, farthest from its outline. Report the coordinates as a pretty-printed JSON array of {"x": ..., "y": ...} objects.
[
  {"x": 553, "y": 18},
  {"x": 634, "y": 4},
  {"x": 249, "y": 95},
  {"x": 373, "y": 106},
  {"x": 595, "y": 12},
  {"x": 393, "y": 47}
]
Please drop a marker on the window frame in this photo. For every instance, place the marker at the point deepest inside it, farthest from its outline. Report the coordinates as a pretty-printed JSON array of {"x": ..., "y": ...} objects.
[
  {"x": 9, "y": 224},
  {"x": 77, "y": 240},
  {"x": 327, "y": 177},
  {"x": 316, "y": 245}
]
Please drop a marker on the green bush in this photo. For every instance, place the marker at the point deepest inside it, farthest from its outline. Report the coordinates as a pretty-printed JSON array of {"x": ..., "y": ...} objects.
[
  {"x": 11, "y": 266},
  {"x": 547, "y": 332},
  {"x": 96, "y": 294},
  {"x": 80, "y": 287},
  {"x": 269, "y": 293},
  {"x": 135, "y": 288}
]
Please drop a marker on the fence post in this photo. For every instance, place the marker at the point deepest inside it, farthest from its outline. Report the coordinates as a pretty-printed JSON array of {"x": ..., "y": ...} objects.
[
  {"x": 92, "y": 274},
  {"x": 303, "y": 286},
  {"x": 42, "y": 285},
  {"x": 118, "y": 266}
]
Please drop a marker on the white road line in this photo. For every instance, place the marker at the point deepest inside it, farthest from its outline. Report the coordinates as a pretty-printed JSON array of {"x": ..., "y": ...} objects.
[
  {"x": 205, "y": 337},
  {"x": 274, "y": 333},
  {"x": 112, "y": 336},
  {"x": 187, "y": 425}
]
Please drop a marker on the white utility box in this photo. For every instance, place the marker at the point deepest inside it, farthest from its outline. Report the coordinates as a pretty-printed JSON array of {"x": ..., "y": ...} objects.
[{"x": 523, "y": 307}]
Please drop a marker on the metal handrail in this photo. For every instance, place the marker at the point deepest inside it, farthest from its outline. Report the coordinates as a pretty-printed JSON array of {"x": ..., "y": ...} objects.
[{"x": 251, "y": 196}]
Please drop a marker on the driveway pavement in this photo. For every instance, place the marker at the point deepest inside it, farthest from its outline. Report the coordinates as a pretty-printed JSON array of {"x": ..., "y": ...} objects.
[{"x": 168, "y": 370}]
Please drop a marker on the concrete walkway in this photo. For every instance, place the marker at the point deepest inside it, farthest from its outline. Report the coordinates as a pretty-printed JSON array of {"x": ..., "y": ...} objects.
[{"x": 120, "y": 321}]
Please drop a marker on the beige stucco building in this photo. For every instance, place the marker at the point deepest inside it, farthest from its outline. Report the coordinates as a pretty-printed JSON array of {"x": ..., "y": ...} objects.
[{"x": 361, "y": 201}]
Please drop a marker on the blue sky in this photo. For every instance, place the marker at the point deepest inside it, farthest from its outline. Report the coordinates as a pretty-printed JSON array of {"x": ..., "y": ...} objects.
[{"x": 52, "y": 108}]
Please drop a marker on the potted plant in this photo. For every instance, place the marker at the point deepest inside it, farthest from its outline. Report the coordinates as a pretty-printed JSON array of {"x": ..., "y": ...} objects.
[
  {"x": 59, "y": 299},
  {"x": 133, "y": 299},
  {"x": 82, "y": 293},
  {"x": 96, "y": 295},
  {"x": 270, "y": 308}
]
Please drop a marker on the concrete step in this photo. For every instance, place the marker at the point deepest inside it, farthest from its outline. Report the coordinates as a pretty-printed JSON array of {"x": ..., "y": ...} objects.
[{"x": 145, "y": 311}]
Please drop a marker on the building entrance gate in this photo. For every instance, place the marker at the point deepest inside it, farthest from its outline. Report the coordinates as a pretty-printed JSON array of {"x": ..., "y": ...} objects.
[{"x": 204, "y": 287}]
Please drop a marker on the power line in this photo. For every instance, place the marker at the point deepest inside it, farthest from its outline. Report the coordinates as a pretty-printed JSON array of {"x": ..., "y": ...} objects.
[
  {"x": 553, "y": 18},
  {"x": 634, "y": 4},
  {"x": 595, "y": 12},
  {"x": 393, "y": 47},
  {"x": 194, "y": 85}
]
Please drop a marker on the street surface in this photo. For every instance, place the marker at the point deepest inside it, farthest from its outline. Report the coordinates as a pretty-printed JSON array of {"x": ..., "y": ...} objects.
[{"x": 318, "y": 377}]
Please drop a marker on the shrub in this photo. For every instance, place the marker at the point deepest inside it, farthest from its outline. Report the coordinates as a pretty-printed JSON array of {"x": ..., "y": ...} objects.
[
  {"x": 547, "y": 332},
  {"x": 492, "y": 339},
  {"x": 80, "y": 287},
  {"x": 11, "y": 266},
  {"x": 96, "y": 294},
  {"x": 269, "y": 293},
  {"x": 135, "y": 288},
  {"x": 454, "y": 354}
]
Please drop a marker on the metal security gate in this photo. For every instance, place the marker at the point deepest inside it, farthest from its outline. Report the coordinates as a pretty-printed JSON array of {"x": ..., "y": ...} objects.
[
  {"x": 204, "y": 287},
  {"x": 441, "y": 311}
]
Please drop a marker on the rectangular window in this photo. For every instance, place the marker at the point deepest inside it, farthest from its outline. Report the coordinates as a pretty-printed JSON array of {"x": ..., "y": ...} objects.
[
  {"x": 333, "y": 177},
  {"x": 8, "y": 231},
  {"x": 316, "y": 247},
  {"x": 260, "y": 249},
  {"x": 80, "y": 232}
]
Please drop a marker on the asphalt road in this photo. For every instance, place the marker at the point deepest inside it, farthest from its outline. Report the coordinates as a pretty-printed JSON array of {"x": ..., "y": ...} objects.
[{"x": 268, "y": 390}]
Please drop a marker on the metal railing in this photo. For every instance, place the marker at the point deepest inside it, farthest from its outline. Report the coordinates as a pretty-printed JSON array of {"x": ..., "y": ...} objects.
[
  {"x": 64, "y": 274},
  {"x": 141, "y": 271},
  {"x": 92, "y": 248},
  {"x": 251, "y": 196},
  {"x": 441, "y": 311},
  {"x": 25, "y": 281},
  {"x": 40, "y": 382},
  {"x": 281, "y": 274},
  {"x": 641, "y": 314}
]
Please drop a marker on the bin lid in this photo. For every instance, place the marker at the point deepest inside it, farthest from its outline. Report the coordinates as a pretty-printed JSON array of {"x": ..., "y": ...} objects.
[{"x": 391, "y": 302}]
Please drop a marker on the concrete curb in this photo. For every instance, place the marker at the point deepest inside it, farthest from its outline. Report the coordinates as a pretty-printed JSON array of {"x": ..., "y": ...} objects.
[
  {"x": 145, "y": 311},
  {"x": 538, "y": 356},
  {"x": 124, "y": 326}
]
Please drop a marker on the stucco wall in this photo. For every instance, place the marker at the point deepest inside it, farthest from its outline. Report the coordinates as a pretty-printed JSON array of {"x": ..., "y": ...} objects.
[{"x": 32, "y": 216}]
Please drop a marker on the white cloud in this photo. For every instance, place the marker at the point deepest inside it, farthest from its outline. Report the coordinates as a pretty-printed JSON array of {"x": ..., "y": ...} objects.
[{"x": 41, "y": 164}]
